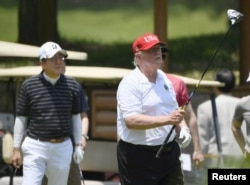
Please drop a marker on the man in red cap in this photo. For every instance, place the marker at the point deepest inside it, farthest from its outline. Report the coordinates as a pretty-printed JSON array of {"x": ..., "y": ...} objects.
[{"x": 147, "y": 109}]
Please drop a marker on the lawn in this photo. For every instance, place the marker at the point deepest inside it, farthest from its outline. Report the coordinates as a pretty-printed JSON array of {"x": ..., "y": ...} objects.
[
  {"x": 121, "y": 21},
  {"x": 105, "y": 29}
]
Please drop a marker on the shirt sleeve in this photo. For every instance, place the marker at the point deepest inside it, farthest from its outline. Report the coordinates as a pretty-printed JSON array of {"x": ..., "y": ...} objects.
[
  {"x": 128, "y": 98},
  {"x": 83, "y": 100},
  {"x": 77, "y": 128},
  {"x": 19, "y": 129},
  {"x": 181, "y": 93},
  {"x": 180, "y": 89},
  {"x": 239, "y": 110},
  {"x": 22, "y": 102}
]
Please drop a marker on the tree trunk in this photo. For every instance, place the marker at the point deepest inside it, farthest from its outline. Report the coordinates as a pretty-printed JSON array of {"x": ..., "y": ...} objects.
[
  {"x": 244, "y": 41},
  {"x": 37, "y": 21},
  {"x": 161, "y": 23}
]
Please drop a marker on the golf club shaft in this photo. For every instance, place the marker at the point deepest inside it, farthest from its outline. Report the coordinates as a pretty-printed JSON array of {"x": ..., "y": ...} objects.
[
  {"x": 82, "y": 178},
  {"x": 193, "y": 92}
]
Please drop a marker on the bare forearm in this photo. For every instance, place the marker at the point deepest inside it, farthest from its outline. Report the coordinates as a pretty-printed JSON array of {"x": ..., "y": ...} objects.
[
  {"x": 192, "y": 123},
  {"x": 85, "y": 128},
  {"x": 142, "y": 122},
  {"x": 238, "y": 135},
  {"x": 85, "y": 124},
  {"x": 195, "y": 136}
]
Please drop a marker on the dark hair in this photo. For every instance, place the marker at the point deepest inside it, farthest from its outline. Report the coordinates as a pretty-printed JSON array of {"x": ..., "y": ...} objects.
[
  {"x": 226, "y": 76},
  {"x": 164, "y": 50}
]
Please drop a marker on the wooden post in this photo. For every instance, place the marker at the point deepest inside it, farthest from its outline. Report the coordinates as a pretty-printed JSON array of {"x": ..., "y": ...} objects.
[
  {"x": 160, "y": 23},
  {"x": 244, "y": 65}
]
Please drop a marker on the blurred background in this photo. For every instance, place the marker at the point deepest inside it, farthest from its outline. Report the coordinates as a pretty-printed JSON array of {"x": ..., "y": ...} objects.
[{"x": 106, "y": 29}]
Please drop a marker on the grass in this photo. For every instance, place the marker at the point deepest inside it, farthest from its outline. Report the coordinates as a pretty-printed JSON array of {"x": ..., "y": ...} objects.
[
  {"x": 8, "y": 19},
  {"x": 121, "y": 21},
  {"x": 123, "y": 25},
  {"x": 106, "y": 29}
]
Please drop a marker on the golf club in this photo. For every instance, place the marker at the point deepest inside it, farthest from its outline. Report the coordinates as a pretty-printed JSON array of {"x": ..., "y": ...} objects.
[
  {"x": 82, "y": 178},
  {"x": 234, "y": 16}
]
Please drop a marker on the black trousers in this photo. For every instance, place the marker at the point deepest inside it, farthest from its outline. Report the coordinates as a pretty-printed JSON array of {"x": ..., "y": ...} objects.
[{"x": 138, "y": 165}]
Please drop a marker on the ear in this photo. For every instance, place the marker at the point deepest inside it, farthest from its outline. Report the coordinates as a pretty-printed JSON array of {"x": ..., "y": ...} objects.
[
  {"x": 138, "y": 55},
  {"x": 42, "y": 64}
]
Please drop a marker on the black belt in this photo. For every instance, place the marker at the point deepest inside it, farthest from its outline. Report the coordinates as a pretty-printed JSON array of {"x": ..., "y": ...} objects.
[
  {"x": 166, "y": 147},
  {"x": 51, "y": 140}
]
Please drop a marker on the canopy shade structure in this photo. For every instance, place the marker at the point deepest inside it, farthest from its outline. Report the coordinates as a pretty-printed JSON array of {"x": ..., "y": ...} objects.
[
  {"x": 9, "y": 49},
  {"x": 81, "y": 73},
  {"x": 91, "y": 73}
]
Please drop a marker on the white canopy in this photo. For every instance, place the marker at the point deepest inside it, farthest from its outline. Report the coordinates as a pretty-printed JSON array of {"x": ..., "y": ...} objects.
[
  {"x": 90, "y": 73},
  {"x": 10, "y": 49},
  {"x": 82, "y": 73}
]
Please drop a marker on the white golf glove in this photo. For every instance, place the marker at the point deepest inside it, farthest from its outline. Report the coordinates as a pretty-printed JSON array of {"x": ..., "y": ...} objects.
[
  {"x": 78, "y": 154},
  {"x": 185, "y": 137}
]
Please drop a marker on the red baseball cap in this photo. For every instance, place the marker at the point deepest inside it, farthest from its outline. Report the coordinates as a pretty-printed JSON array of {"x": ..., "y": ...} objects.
[{"x": 145, "y": 42}]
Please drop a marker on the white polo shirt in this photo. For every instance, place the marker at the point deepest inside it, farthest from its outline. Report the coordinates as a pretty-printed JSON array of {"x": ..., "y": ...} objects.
[{"x": 136, "y": 95}]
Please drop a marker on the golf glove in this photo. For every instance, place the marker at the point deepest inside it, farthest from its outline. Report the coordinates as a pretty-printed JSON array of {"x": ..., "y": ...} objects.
[
  {"x": 78, "y": 154},
  {"x": 185, "y": 137}
]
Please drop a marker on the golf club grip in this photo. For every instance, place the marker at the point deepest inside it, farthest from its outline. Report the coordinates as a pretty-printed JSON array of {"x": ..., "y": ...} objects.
[
  {"x": 169, "y": 134},
  {"x": 166, "y": 140}
]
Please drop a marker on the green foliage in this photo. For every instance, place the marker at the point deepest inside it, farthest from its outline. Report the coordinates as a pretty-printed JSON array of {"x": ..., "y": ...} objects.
[
  {"x": 123, "y": 21},
  {"x": 8, "y": 19},
  {"x": 106, "y": 29},
  {"x": 187, "y": 56}
]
